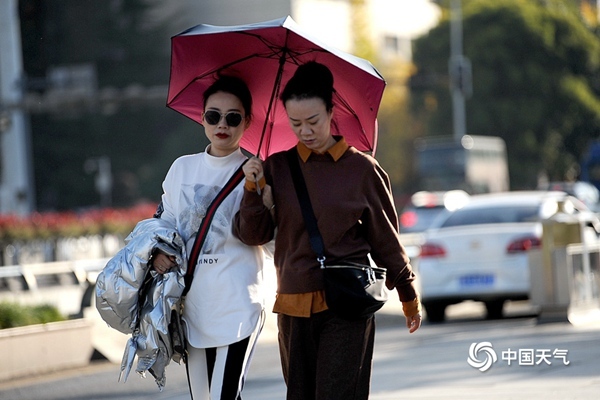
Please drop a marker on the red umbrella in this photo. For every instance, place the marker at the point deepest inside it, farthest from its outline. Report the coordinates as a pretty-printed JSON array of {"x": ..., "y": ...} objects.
[{"x": 266, "y": 55}]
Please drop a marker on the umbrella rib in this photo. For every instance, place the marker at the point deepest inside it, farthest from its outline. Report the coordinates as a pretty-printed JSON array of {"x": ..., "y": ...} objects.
[
  {"x": 215, "y": 70},
  {"x": 282, "y": 58},
  {"x": 277, "y": 50},
  {"x": 292, "y": 55},
  {"x": 287, "y": 49},
  {"x": 350, "y": 109}
]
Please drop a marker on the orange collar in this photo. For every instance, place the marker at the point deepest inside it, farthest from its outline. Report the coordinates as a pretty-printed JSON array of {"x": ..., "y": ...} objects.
[{"x": 336, "y": 151}]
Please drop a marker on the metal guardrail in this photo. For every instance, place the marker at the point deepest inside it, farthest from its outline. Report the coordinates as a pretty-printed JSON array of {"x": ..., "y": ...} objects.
[
  {"x": 31, "y": 277},
  {"x": 583, "y": 264}
]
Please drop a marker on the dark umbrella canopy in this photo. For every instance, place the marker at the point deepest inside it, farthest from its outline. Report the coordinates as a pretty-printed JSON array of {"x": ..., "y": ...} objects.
[{"x": 266, "y": 56}]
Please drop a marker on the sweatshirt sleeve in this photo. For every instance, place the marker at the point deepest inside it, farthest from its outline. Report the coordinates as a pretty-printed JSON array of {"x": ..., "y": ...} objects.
[
  {"x": 253, "y": 224},
  {"x": 383, "y": 236}
]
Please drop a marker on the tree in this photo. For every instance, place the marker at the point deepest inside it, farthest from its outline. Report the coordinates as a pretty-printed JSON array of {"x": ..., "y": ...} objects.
[
  {"x": 395, "y": 143},
  {"x": 536, "y": 73}
]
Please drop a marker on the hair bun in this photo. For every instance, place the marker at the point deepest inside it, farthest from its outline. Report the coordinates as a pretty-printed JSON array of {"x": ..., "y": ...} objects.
[
  {"x": 314, "y": 74},
  {"x": 311, "y": 80}
]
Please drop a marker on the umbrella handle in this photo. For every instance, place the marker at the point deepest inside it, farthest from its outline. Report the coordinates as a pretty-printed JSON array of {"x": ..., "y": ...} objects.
[{"x": 258, "y": 191}]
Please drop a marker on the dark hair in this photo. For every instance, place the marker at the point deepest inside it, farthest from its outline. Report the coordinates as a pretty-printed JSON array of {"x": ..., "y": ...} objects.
[
  {"x": 234, "y": 86},
  {"x": 309, "y": 81}
]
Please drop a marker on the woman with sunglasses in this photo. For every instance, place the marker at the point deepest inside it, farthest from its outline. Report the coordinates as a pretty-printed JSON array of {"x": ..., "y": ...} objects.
[
  {"x": 323, "y": 355},
  {"x": 223, "y": 309}
]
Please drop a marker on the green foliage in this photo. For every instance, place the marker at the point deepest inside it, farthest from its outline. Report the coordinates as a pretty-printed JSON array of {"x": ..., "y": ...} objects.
[
  {"x": 13, "y": 315},
  {"x": 536, "y": 68},
  {"x": 363, "y": 46},
  {"x": 46, "y": 313},
  {"x": 395, "y": 135}
]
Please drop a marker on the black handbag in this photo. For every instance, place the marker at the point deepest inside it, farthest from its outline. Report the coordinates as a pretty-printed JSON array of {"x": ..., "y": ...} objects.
[
  {"x": 176, "y": 324},
  {"x": 352, "y": 291}
]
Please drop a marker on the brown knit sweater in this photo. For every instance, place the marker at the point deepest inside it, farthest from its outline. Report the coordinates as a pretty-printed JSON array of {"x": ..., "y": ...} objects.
[{"x": 352, "y": 202}]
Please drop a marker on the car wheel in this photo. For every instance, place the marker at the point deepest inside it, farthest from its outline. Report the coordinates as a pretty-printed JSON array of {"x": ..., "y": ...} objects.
[
  {"x": 436, "y": 312},
  {"x": 494, "y": 309}
]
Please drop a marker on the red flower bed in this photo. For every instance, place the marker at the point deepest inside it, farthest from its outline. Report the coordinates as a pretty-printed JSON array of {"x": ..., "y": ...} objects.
[{"x": 72, "y": 224}]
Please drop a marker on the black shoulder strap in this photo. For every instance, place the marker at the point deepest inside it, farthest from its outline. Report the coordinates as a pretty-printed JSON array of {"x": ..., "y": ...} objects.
[
  {"x": 316, "y": 241},
  {"x": 231, "y": 184}
]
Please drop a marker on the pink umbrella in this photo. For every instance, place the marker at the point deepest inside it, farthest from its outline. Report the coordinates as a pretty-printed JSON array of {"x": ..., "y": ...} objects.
[{"x": 266, "y": 55}]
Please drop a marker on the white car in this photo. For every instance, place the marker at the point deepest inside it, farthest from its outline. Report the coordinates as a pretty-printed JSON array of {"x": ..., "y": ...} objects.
[
  {"x": 424, "y": 207},
  {"x": 479, "y": 252}
]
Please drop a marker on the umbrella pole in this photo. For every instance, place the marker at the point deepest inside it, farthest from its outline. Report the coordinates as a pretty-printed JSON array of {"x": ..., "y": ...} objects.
[{"x": 276, "y": 86}]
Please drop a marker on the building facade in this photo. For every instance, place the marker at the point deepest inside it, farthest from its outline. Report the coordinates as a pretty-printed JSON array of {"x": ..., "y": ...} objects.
[{"x": 388, "y": 25}]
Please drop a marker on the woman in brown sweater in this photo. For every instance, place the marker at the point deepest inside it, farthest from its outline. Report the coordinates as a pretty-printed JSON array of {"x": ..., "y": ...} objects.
[{"x": 324, "y": 357}]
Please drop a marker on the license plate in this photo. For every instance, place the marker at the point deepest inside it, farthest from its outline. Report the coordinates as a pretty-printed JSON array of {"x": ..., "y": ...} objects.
[{"x": 476, "y": 280}]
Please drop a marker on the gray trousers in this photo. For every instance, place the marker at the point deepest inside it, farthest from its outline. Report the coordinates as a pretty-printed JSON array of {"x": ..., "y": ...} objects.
[{"x": 325, "y": 357}]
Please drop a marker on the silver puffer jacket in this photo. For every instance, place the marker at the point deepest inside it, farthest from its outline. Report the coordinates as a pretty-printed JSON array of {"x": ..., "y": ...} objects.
[{"x": 133, "y": 299}]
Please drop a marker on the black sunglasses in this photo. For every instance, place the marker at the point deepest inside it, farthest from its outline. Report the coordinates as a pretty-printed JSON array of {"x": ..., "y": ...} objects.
[{"x": 232, "y": 118}]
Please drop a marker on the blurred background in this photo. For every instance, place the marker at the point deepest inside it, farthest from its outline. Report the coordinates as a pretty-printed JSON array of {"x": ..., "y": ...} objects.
[
  {"x": 84, "y": 122},
  {"x": 482, "y": 96}
]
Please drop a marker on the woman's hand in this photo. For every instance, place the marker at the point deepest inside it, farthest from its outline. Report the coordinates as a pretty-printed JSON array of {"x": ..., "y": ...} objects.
[
  {"x": 163, "y": 263},
  {"x": 413, "y": 323},
  {"x": 253, "y": 169}
]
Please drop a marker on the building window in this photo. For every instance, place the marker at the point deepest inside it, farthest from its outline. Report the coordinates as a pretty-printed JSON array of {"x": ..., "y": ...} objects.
[{"x": 391, "y": 44}]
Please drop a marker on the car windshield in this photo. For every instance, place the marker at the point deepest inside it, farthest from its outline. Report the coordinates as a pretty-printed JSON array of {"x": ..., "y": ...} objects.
[
  {"x": 419, "y": 219},
  {"x": 492, "y": 215}
]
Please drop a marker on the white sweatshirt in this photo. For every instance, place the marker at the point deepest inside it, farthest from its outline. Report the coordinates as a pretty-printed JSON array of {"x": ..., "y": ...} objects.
[{"x": 225, "y": 300}]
